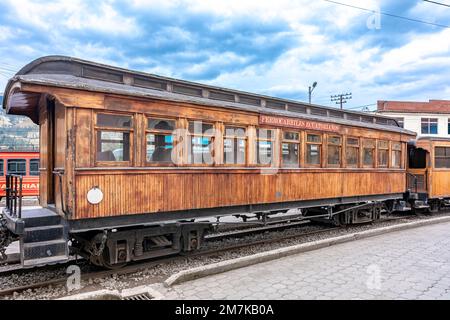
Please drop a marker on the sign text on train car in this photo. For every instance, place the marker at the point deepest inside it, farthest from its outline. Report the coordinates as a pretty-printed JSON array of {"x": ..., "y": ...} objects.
[{"x": 297, "y": 123}]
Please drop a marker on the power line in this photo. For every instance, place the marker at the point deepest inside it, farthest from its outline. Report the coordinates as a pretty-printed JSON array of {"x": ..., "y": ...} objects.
[
  {"x": 391, "y": 15},
  {"x": 364, "y": 106},
  {"x": 438, "y": 3}
]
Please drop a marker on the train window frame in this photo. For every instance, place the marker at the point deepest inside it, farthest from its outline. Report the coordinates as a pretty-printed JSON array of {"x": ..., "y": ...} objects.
[
  {"x": 290, "y": 141},
  {"x": 32, "y": 171},
  {"x": 190, "y": 135},
  {"x": 373, "y": 148},
  {"x": 160, "y": 132},
  {"x": 235, "y": 137},
  {"x": 124, "y": 130},
  {"x": 259, "y": 139},
  {"x": 352, "y": 146},
  {"x": 381, "y": 148},
  {"x": 396, "y": 149},
  {"x": 331, "y": 144},
  {"x": 2, "y": 168},
  {"x": 446, "y": 157},
  {"x": 320, "y": 146},
  {"x": 16, "y": 172}
]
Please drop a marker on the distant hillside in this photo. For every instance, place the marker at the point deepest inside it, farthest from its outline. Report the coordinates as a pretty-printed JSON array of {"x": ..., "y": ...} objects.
[{"x": 17, "y": 132}]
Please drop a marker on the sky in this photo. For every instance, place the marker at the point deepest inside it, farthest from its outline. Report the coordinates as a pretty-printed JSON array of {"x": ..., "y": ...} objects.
[{"x": 277, "y": 48}]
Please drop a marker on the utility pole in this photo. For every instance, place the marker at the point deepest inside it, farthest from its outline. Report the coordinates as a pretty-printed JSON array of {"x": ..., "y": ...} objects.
[
  {"x": 341, "y": 98},
  {"x": 311, "y": 89}
]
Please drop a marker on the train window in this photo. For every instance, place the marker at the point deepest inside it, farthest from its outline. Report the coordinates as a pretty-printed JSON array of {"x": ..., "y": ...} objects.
[
  {"x": 113, "y": 137},
  {"x": 352, "y": 152},
  {"x": 290, "y": 149},
  {"x": 34, "y": 167},
  {"x": 161, "y": 124},
  {"x": 264, "y": 146},
  {"x": 313, "y": 149},
  {"x": 200, "y": 143},
  {"x": 234, "y": 144},
  {"x": 442, "y": 157},
  {"x": 113, "y": 121},
  {"x": 383, "y": 153},
  {"x": 396, "y": 154},
  {"x": 368, "y": 152},
  {"x": 160, "y": 140},
  {"x": 1, "y": 168},
  {"x": 17, "y": 166},
  {"x": 334, "y": 150}
]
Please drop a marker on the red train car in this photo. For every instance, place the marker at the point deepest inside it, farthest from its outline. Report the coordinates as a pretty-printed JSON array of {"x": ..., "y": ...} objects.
[{"x": 25, "y": 163}]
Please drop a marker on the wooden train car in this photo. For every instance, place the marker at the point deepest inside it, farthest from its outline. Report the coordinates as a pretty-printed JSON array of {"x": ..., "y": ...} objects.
[
  {"x": 24, "y": 163},
  {"x": 429, "y": 171},
  {"x": 131, "y": 161}
]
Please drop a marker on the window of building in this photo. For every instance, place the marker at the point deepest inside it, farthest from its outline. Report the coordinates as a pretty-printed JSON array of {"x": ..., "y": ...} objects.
[
  {"x": 290, "y": 149},
  {"x": 2, "y": 169},
  {"x": 34, "y": 167},
  {"x": 448, "y": 126},
  {"x": 334, "y": 151},
  {"x": 368, "y": 152},
  {"x": 160, "y": 140},
  {"x": 17, "y": 166},
  {"x": 264, "y": 146},
  {"x": 313, "y": 149},
  {"x": 396, "y": 154},
  {"x": 429, "y": 125},
  {"x": 234, "y": 145},
  {"x": 442, "y": 157},
  {"x": 383, "y": 153},
  {"x": 352, "y": 152},
  {"x": 113, "y": 137},
  {"x": 201, "y": 142},
  {"x": 401, "y": 122}
]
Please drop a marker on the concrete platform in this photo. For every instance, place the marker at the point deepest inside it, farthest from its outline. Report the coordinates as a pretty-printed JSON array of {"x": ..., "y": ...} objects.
[{"x": 408, "y": 264}]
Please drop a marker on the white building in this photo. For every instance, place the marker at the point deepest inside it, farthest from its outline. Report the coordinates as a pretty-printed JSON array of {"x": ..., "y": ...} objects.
[{"x": 431, "y": 119}]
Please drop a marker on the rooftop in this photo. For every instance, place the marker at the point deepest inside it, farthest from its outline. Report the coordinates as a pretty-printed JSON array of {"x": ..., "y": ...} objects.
[{"x": 432, "y": 106}]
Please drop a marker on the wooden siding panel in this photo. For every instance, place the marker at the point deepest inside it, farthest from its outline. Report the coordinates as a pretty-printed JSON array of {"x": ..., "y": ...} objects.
[
  {"x": 83, "y": 136},
  {"x": 156, "y": 192},
  {"x": 440, "y": 183}
]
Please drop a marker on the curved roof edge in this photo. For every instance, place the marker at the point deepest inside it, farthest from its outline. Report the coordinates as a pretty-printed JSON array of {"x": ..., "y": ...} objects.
[{"x": 57, "y": 64}]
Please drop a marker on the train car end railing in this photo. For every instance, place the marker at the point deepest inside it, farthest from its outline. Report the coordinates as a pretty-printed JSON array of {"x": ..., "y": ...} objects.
[
  {"x": 13, "y": 191},
  {"x": 414, "y": 177}
]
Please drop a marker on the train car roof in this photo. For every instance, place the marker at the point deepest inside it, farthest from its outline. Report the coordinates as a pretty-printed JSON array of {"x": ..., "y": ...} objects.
[{"x": 73, "y": 73}]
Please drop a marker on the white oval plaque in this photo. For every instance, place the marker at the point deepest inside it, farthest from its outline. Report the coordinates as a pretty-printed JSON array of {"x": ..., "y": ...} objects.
[{"x": 95, "y": 195}]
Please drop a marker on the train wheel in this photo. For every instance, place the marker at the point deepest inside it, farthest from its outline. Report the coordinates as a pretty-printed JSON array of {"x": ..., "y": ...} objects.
[{"x": 104, "y": 261}]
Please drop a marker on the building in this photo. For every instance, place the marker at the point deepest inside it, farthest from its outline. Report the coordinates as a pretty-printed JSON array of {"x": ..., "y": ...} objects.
[{"x": 430, "y": 118}]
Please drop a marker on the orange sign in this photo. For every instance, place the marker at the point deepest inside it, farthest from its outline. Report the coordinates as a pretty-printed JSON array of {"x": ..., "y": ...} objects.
[
  {"x": 297, "y": 123},
  {"x": 25, "y": 186}
]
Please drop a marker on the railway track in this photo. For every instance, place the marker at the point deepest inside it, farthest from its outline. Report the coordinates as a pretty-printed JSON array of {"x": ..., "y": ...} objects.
[{"x": 140, "y": 266}]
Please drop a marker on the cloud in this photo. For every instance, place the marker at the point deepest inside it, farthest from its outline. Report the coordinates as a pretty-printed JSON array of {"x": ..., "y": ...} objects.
[{"x": 277, "y": 48}]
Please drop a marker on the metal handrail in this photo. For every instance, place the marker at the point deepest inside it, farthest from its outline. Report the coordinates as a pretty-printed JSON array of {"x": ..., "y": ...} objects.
[
  {"x": 415, "y": 180},
  {"x": 60, "y": 173},
  {"x": 14, "y": 194}
]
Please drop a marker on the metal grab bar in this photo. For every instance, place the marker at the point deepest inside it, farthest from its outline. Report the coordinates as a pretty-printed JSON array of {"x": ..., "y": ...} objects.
[
  {"x": 60, "y": 174},
  {"x": 14, "y": 194}
]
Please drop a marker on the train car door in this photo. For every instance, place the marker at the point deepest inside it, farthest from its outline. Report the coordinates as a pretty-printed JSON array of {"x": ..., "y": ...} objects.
[
  {"x": 55, "y": 155},
  {"x": 418, "y": 160}
]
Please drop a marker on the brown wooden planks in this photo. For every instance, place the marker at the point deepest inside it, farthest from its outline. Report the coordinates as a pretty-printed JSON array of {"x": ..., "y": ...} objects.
[{"x": 154, "y": 192}]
